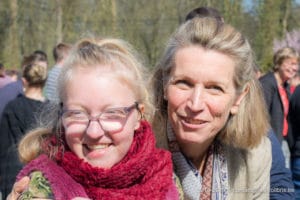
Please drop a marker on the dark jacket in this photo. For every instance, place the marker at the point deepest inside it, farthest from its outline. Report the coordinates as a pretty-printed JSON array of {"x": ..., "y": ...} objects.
[
  {"x": 19, "y": 116},
  {"x": 9, "y": 92},
  {"x": 294, "y": 121},
  {"x": 274, "y": 104}
]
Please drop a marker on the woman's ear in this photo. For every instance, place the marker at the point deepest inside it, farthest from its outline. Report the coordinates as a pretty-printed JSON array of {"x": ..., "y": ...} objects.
[
  {"x": 165, "y": 97},
  {"x": 165, "y": 93},
  {"x": 141, "y": 108},
  {"x": 25, "y": 83},
  {"x": 239, "y": 99}
]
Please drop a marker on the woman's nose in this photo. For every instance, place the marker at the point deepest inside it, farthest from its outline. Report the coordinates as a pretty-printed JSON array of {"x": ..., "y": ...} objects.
[
  {"x": 94, "y": 130},
  {"x": 296, "y": 67},
  {"x": 195, "y": 101}
]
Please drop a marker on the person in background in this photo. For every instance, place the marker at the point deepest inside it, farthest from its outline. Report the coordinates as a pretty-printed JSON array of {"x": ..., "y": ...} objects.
[
  {"x": 212, "y": 112},
  {"x": 41, "y": 55},
  {"x": 294, "y": 130},
  {"x": 60, "y": 52},
  {"x": 13, "y": 74},
  {"x": 4, "y": 78},
  {"x": 19, "y": 116},
  {"x": 99, "y": 145},
  {"x": 12, "y": 90},
  {"x": 277, "y": 93},
  {"x": 294, "y": 82},
  {"x": 280, "y": 175},
  {"x": 205, "y": 12}
]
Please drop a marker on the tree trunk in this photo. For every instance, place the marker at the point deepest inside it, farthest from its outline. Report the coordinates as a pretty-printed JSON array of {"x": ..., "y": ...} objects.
[
  {"x": 12, "y": 51},
  {"x": 59, "y": 24},
  {"x": 287, "y": 9}
]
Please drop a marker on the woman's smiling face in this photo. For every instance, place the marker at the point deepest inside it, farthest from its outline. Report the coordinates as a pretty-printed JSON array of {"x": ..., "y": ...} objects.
[
  {"x": 200, "y": 94},
  {"x": 288, "y": 69},
  {"x": 94, "y": 92}
]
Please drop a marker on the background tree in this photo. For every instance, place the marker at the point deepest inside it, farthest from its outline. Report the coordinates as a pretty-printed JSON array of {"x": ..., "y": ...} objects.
[
  {"x": 59, "y": 21},
  {"x": 12, "y": 40},
  {"x": 27, "y": 25},
  {"x": 273, "y": 22}
]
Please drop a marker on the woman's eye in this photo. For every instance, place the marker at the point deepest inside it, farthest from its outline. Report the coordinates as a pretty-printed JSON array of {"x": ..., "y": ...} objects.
[
  {"x": 112, "y": 114},
  {"x": 77, "y": 114},
  {"x": 182, "y": 83},
  {"x": 215, "y": 88}
]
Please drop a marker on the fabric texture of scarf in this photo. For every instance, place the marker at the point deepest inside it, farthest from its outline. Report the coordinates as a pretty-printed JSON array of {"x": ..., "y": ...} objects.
[
  {"x": 144, "y": 173},
  {"x": 213, "y": 184},
  {"x": 62, "y": 186}
]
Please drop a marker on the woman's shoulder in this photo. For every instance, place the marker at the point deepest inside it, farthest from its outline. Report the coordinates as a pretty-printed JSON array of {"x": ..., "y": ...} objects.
[
  {"x": 257, "y": 156},
  {"x": 268, "y": 79},
  {"x": 249, "y": 169},
  {"x": 16, "y": 102},
  {"x": 21, "y": 104},
  {"x": 261, "y": 154}
]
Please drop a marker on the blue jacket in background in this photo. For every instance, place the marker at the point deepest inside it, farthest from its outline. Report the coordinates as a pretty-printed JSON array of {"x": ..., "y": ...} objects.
[
  {"x": 282, "y": 187},
  {"x": 9, "y": 92}
]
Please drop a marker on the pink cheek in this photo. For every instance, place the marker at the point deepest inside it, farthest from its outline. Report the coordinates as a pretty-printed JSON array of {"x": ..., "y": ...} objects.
[
  {"x": 123, "y": 138},
  {"x": 74, "y": 131},
  {"x": 72, "y": 141},
  {"x": 177, "y": 99},
  {"x": 216, "y": 109}
]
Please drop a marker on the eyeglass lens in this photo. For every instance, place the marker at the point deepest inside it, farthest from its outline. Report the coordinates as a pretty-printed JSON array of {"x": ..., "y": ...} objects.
[{"x": 112, "y": 120}]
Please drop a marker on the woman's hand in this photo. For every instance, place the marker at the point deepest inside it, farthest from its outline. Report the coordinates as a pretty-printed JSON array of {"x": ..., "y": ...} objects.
[{"x": 18, "y": 188}]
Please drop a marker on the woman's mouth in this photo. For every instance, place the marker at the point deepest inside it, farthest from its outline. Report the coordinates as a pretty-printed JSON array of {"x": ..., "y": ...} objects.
[
  {"x": 192, "y": 120},
  {"x": 96, "y": 151},
  {"x": 96, "y": 147},
  {"x": 192, "y": 123}
]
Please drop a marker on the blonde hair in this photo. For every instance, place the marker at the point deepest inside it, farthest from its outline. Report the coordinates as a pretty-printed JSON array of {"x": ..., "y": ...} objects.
[
  {"x": 35, "y": 75},
  {"x": 115, "y": 55},
  {"x": 282, "y": 54},
  {"x": 90, "y": 53},
  {"x": 242, "y": 130}
]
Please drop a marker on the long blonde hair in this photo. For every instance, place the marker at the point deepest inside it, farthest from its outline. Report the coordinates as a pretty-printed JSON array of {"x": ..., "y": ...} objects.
[{"x": 244, "y": 129}]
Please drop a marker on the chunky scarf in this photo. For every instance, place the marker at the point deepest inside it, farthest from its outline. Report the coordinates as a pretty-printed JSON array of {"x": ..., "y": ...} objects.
[{"x": 144, "y": 173}]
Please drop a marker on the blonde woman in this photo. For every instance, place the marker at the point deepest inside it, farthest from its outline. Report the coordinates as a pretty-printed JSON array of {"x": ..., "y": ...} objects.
[
  {"x": 277, "y": 92},
  {"x": 19, "y": 116},
  {"x": 100, "y": 145},
  {"x": 211, "y": 113}
]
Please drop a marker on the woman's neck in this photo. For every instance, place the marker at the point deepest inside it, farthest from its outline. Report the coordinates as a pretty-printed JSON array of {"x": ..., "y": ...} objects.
[
  {"x": 200, "y": 162},
  {"x": 197, "y": 154},
  {"x": 35, "y": 93}
]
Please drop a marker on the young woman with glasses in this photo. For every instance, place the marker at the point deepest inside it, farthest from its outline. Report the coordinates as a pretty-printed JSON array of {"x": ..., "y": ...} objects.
[{"x": 99, "y": 146}]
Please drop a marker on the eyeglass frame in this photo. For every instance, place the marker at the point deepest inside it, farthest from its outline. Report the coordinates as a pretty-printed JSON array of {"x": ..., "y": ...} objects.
[{"x": 97, "y": 118}]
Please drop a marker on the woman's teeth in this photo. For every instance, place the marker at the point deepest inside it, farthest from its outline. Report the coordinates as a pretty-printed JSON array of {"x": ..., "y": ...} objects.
[
  {"x": 99, "y": 146},
  {"x": 193, "y": 121}
]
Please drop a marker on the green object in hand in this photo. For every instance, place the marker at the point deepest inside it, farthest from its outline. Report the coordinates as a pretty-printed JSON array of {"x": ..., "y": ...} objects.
[{"x": 39, "y": 187}]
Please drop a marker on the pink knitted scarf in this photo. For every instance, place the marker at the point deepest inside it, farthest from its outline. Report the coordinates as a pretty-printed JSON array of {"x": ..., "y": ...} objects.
[{"x": 144, "y": 173}]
